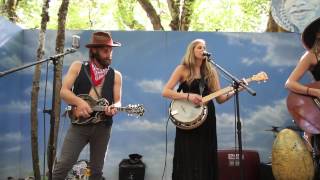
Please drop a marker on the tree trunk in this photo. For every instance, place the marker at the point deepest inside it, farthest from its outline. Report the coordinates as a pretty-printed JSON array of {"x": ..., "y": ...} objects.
[
  {"x": 62, "y": 15},
  {"x": 152, "y": 14},
  {"x": 10, "y": 7},
  {"x": 272, "y": 26},
  {"x": 186, "y": 14},
  {"x": 35, "y": 92},
  {"x": 174, "y": 6}
]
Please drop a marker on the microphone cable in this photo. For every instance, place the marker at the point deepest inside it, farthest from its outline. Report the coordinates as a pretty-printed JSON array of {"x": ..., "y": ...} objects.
[
  {"x": 166, "y": 152},
  {"x": 44, "y": 122}
]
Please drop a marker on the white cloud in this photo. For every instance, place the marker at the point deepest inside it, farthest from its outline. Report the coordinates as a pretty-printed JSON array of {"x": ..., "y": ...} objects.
[
  {"x": 11, "y": 137},
  {"x": 254, "y": 134},
  {"x": 248, "y": 61},
  {"x": 279, "y": 52},
  {"x": 42, "y": 86},
  {"x": 16, "y": 107},
  {"x": 153, "y": 155},
  {"x": 140, "y": 125},
  {"x": 259, "y": 119},
  {"x": 9, "y": 62},
  {"x": 13, "y": 149},
  {"x": 151, "y": 86}
]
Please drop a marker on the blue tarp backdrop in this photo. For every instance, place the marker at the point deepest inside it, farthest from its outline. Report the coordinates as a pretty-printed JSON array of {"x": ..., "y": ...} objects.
[{"x": 146, "y": 60}]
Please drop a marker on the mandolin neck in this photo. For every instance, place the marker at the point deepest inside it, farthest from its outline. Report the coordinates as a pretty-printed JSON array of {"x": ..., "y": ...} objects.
[{"x": 101, "y": 108}]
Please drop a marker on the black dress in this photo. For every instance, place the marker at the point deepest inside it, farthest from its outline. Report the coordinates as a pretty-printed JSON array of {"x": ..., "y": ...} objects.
[
  {"x": 195, "y": 151},
  {"x": 316, "y": 71}
]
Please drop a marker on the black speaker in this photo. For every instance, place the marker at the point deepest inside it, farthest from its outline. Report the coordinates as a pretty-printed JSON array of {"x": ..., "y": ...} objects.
[
  {"x": 132, "y": 168},
  {"x": 266, "y": 172},
  {"x": 229, "y": 164}
]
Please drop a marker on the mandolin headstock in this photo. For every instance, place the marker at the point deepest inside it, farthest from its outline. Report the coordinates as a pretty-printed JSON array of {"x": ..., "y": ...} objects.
[{"x": 135, "y": 109}]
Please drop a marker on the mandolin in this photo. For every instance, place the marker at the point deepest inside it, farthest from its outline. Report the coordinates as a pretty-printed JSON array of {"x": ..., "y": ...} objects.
[{"x": 98, "y": 107}]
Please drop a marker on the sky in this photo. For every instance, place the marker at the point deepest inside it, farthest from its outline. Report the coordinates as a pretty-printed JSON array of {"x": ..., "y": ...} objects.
[{"x": 146, "y": 61}]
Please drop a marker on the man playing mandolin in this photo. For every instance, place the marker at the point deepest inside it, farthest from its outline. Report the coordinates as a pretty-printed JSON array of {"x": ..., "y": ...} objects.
[{"x": 96, "y": 79}]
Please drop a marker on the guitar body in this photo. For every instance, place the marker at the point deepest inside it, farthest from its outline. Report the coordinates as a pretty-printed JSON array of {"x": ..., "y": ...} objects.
[
  {"x": 305, "y": 110},
  {"x": 96, "y": 116},
  {"x": 186, "y": 115}
]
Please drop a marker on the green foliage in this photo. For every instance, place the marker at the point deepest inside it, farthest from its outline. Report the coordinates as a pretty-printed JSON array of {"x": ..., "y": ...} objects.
[
  {"x": 29, "y": 13},
  {"x": 125, "y": 15},
  {"x": 230, "y": 16},
  {"x": 84, "y": 14},
  {"x": 208, "y": 15}
]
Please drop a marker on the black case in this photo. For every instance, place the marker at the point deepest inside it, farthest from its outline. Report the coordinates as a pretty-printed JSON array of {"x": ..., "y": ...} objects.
[{"x": 132, "y": 168}]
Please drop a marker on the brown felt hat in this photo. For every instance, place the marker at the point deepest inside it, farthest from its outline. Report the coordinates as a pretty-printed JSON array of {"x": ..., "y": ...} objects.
[{"x": 102, "y": 39}]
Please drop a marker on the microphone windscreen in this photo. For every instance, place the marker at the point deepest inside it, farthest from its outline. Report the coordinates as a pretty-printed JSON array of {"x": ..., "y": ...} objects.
[
  {"x": 75, "y": 41},
  {"x": 205, "y": 53}
]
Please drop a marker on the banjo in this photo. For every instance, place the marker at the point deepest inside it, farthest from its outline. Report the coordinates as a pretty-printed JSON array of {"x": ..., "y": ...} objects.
[{"x": 186, "y": 115}]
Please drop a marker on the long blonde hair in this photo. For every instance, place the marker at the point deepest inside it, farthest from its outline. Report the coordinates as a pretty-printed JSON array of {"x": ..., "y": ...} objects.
[{"x": 207, "y": 70}]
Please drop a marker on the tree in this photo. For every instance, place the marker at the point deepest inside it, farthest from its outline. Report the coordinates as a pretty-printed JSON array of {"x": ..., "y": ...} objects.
[
  {"x": 8, "y": 8},
  {"x": 181, "y": 19},
  {"x": 35, "y": 92},
  {"x": 57, "y": 82},
  {"x": 180, "y": 15},
  {"x": 125, "y": 17},
  {"x": 152, "y": 14},
  {"x": 273, "y": 26},
  {"x": 199, "y": 15},
  {"x": 180, "y": 11}
]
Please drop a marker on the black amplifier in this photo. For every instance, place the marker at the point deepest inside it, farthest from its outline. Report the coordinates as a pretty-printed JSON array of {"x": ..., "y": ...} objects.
[{"x": 132, "y": 168}]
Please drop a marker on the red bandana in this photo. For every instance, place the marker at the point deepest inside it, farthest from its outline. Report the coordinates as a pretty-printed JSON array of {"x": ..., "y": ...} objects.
[{"x": 97, "y": 74}]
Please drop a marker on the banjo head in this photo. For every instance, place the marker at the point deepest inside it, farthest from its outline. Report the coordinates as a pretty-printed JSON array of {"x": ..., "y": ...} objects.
[{"x": 186, "y": 115}]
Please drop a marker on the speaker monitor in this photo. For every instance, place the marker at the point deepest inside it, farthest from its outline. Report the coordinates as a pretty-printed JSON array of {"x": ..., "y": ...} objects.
[
  {"x": 131, "y": 169},
  {"x": 229, "y": 164}
]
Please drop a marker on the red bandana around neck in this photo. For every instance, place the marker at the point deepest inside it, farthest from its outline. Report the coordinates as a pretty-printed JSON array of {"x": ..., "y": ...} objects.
[{"x": 97, "y": 74}]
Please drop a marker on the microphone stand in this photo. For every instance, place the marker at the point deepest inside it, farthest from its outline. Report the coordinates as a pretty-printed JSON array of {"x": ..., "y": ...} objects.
[
  {"x": 236, "y": 84},
  {"x": 55, "y": 59}
]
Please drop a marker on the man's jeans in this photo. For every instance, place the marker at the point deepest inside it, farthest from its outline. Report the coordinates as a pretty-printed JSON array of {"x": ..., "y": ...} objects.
[{"x": 77, "y": 137}]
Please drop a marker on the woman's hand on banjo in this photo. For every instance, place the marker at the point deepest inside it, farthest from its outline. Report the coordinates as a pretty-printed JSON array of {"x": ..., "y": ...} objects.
[{"x": 195, "y": 98}]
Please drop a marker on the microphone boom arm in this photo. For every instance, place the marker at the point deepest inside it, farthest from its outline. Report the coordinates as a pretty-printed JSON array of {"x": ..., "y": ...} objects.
[
  {"x": 236, "y": 81},
  {"x": 53, "y": 58}
]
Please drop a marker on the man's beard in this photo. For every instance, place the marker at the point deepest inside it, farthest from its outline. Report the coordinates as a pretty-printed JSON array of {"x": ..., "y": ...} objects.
[{"x": 104, "y": 62}]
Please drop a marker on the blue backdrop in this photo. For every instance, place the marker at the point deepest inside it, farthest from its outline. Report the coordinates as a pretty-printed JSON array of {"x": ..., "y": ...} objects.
[{"x": 146, "y": 60}]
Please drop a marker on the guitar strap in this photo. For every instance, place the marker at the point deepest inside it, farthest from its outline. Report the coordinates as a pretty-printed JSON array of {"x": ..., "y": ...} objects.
[
  {"x": 201, "y": 85},
  {"x": 94, "y": 88},
  {"x": 179, "y": 89}
]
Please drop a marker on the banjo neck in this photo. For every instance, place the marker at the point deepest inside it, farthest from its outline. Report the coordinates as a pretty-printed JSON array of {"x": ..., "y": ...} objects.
[
  {"x": 221, "y": 92},
  {"x": 216, "y": 94}
]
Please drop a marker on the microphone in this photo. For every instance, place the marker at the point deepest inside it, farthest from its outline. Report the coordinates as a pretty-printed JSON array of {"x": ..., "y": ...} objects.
[
  {"x": 75, "y": 41},
  {"x": 205, "y": 53}
]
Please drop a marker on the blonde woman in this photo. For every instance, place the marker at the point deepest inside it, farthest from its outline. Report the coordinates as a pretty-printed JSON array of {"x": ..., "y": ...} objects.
[{"x": 195, "y": 150}]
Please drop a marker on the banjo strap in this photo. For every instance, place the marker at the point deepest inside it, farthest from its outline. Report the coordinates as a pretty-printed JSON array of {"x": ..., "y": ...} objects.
[{"x": 201, "y": 86}]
